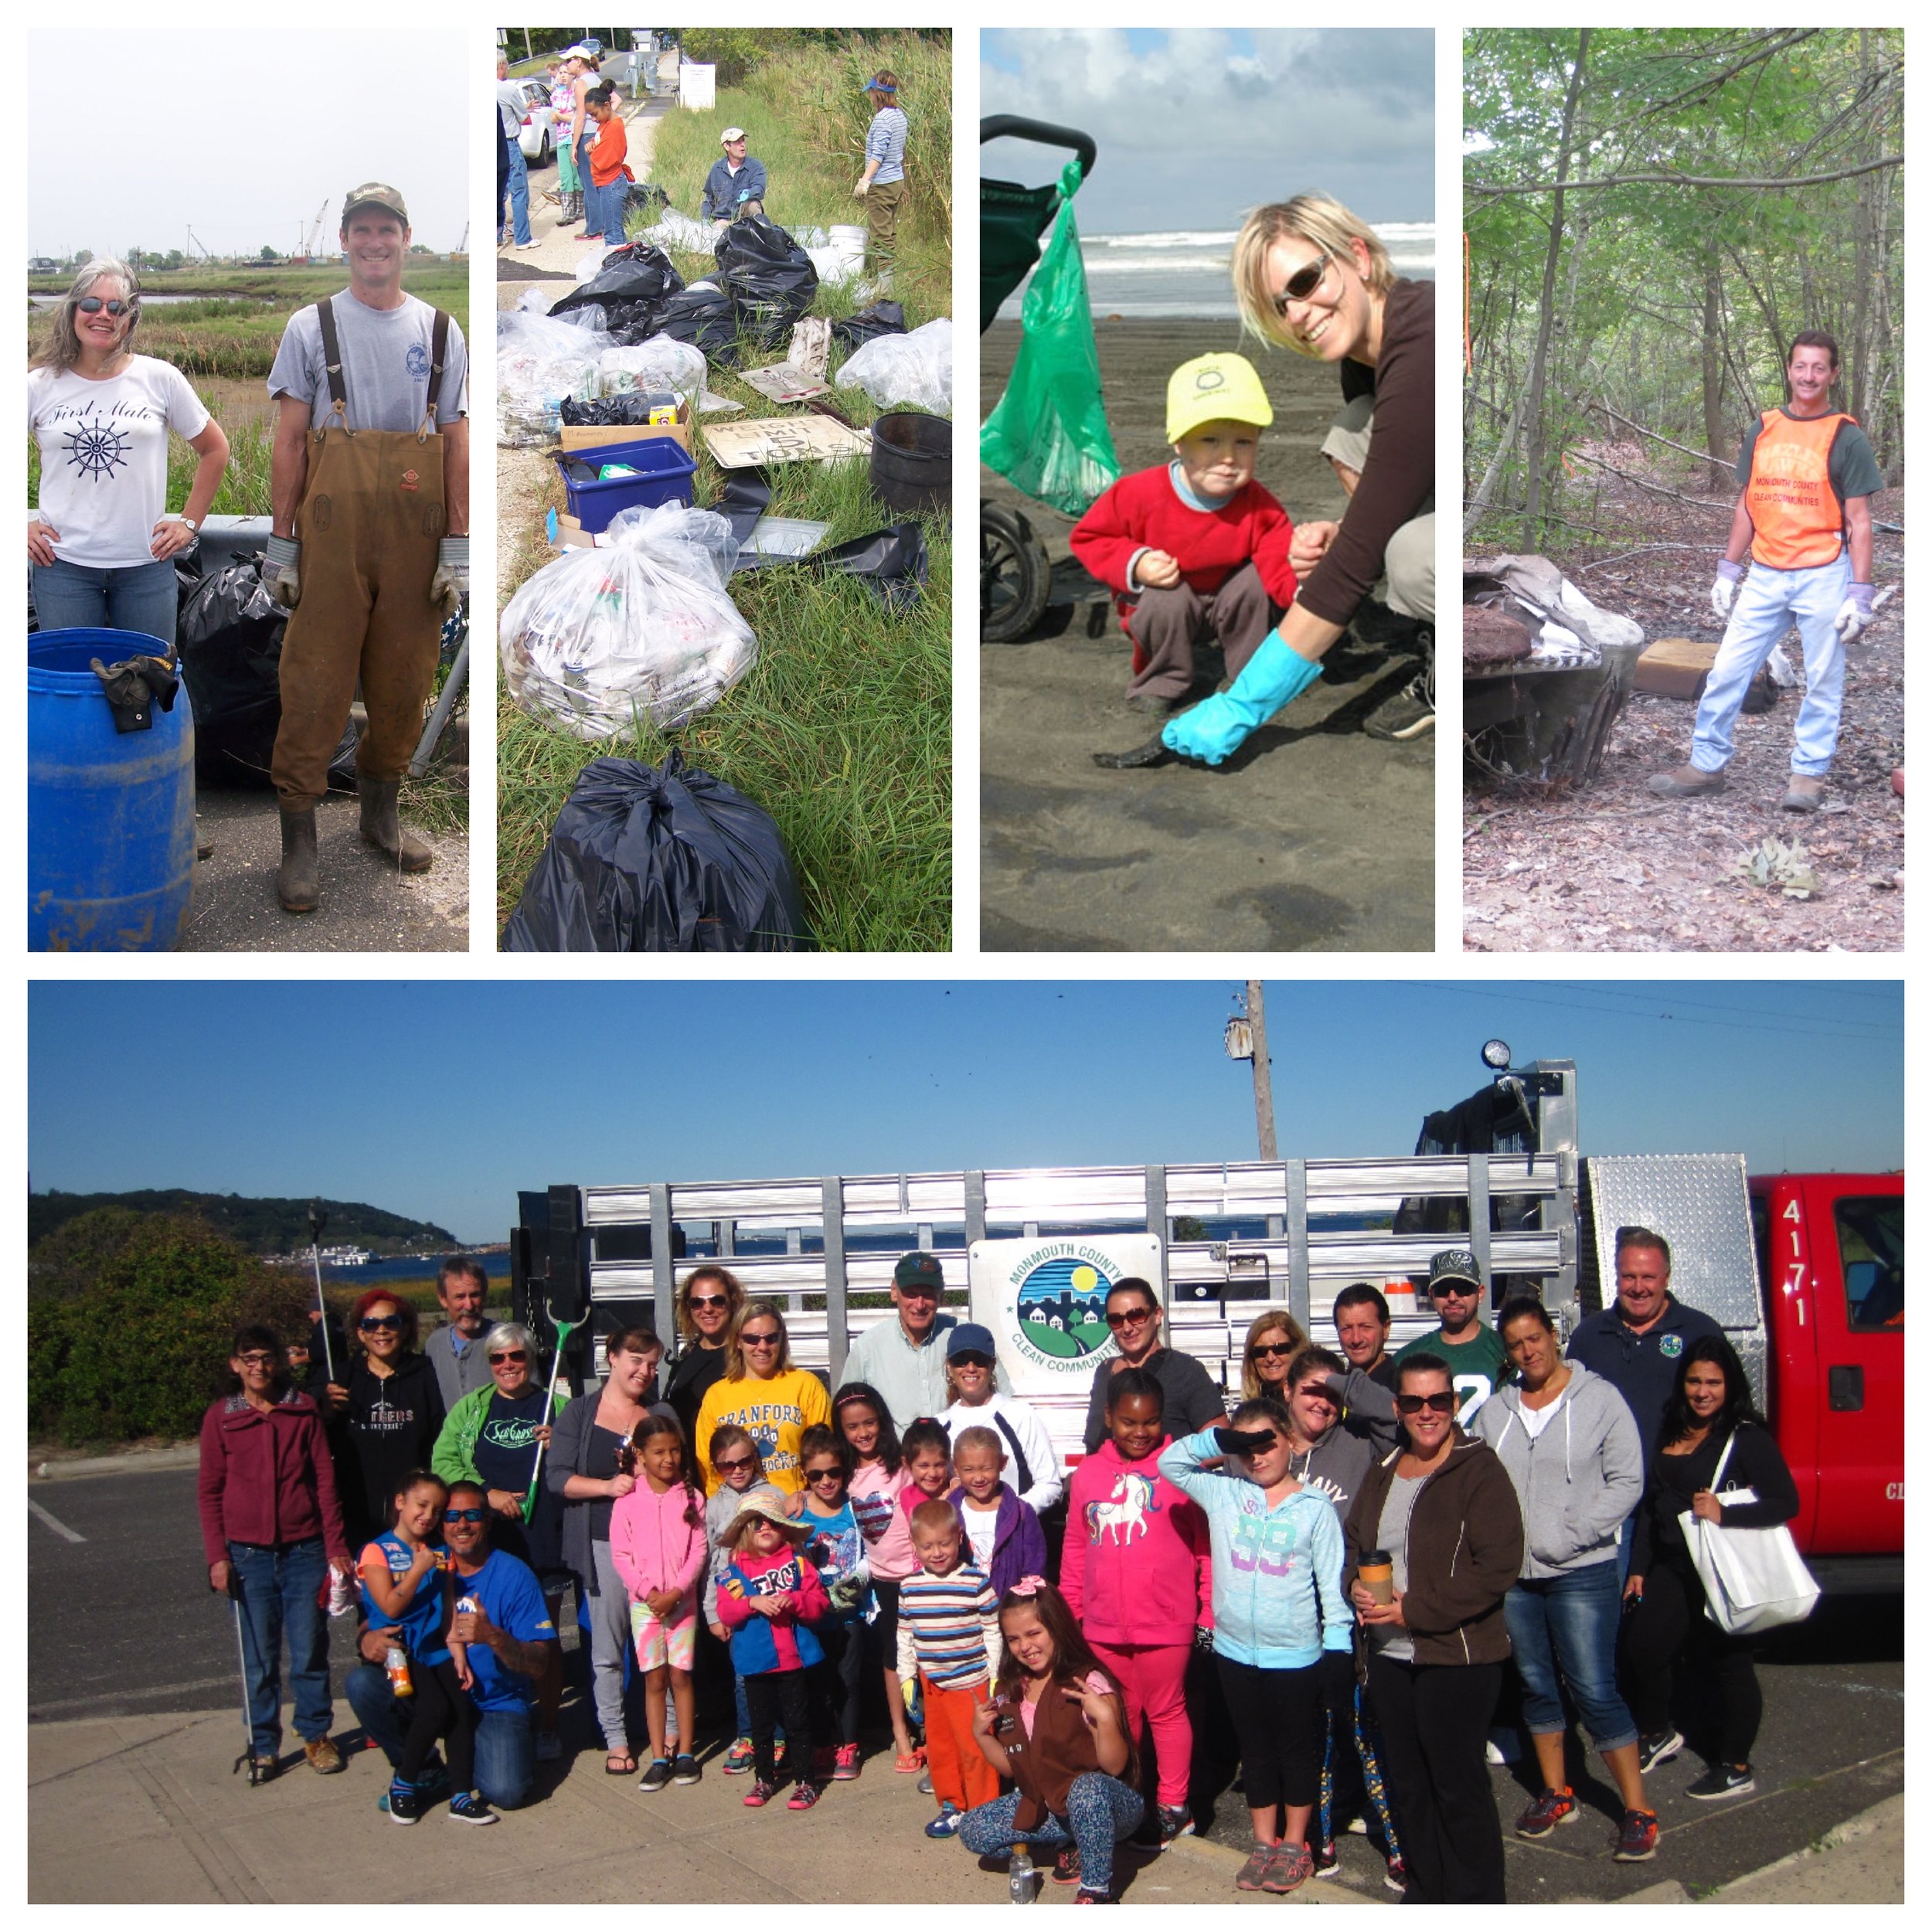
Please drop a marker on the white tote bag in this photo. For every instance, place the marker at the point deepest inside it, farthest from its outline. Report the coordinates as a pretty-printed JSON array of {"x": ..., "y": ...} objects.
[{"x": 1753, "y": 1579}]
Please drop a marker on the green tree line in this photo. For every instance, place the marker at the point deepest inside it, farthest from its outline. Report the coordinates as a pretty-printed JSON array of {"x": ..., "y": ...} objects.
[{"x": 260, "y": 1224}]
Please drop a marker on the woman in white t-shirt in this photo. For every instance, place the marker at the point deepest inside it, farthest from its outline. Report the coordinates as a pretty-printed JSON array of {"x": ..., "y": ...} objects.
[{"x": 101, "y": 544}]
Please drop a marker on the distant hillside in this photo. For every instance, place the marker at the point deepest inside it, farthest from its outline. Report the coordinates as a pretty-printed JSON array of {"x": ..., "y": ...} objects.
[{"x": 260, "y": 1225}]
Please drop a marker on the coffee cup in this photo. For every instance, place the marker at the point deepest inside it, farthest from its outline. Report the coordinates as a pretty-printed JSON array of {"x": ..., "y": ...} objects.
[{"x": 1377, "y": 1571}]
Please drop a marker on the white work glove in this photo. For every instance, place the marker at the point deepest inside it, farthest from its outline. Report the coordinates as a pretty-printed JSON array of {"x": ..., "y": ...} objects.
[
  {"x": 1853, "y": 613},
  {"x": 282, "y": 573},
  {"x": 1724, "y": 586},
  {"x": 450, "y": 585}
]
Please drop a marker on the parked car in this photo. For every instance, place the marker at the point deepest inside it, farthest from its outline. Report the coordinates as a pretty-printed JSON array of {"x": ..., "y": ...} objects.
[{"x": 537, "y": 137}]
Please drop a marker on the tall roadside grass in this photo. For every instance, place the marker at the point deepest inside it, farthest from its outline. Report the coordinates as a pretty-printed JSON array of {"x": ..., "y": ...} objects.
[{"x": 843, "y": 731}]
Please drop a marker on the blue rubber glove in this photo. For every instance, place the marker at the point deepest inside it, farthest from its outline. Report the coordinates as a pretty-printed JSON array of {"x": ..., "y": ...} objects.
[{"x": 1218, "y": 726}]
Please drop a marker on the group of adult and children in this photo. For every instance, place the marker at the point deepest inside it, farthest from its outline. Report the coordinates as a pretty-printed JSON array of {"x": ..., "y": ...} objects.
[{"x": 1363, "y": 1544}]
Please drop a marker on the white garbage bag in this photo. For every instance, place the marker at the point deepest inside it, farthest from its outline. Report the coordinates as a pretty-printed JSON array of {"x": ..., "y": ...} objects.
[{"x": 899, "y": 371}]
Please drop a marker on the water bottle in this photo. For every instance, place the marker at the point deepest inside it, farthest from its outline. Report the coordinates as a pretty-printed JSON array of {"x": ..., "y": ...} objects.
[
  {"x": 397, "y": 1664},
  {"x": 1020, "y": 1876}
]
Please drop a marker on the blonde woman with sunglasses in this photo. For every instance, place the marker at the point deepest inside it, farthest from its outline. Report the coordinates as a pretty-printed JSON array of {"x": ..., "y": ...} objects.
[
  {"x": 763, "y": 1392},
  {"x": 1275, "y": 1340}
]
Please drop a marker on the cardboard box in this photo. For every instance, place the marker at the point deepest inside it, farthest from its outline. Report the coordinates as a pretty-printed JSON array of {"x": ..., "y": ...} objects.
[
  {"x": 783, "y": 439},
  {"x": 582, "y": 435},
  {"x": 1676, "y": 667}
]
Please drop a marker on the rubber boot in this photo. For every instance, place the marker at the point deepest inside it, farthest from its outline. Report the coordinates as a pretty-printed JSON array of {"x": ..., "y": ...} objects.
[
  {"x": 382, "y": 828},
  {"x": 295, "y": 885}
]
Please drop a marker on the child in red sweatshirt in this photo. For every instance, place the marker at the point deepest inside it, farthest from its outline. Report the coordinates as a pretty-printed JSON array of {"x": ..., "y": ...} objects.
[
  {"x": 1196, "y": 548},
  {"x": 610, "y": 178},
  {"x": 1136, "y": 1572}
]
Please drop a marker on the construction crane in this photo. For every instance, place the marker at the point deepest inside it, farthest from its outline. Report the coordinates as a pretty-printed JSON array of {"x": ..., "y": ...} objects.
[
  {"x": 195, "y": 247},
  {"x": 462, "y": 246},
  {"x": 314, "y": 235}
]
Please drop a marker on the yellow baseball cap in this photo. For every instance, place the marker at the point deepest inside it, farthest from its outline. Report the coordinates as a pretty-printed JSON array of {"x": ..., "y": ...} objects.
[{"x": 1212, "y": 388}]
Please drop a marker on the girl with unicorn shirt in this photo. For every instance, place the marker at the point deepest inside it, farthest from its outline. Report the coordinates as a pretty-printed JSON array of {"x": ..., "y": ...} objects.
[{"x": 1135, "y": 1571}]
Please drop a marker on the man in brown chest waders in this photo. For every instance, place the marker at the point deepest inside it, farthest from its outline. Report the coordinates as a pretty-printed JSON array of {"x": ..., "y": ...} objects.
[{"x": 371, "y": 549}]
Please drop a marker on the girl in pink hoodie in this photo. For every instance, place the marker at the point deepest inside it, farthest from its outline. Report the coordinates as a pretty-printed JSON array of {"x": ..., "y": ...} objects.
[
  {"x": 1136, "y": 1572},
  {"x": 657, "y": 1544}
]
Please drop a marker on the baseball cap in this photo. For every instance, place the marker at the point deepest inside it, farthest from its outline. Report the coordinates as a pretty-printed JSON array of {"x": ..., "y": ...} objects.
[
  {"x": 731, "y": 134},
  {"x": 970, "y": 1339},
  {"x": 375, "y": 194},
  {"x": 1215, "y": 388},
  {"x": 1454, "y": 1264},
  {"x": 919, "y": 1270}
]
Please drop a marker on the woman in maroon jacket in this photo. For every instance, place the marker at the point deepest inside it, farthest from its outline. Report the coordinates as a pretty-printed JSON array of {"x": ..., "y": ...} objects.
[{"x": 272, "y": 1530}]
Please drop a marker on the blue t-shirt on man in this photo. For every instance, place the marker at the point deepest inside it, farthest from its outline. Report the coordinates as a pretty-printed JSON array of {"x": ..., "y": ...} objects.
[{"x": 505, "y": 1590}]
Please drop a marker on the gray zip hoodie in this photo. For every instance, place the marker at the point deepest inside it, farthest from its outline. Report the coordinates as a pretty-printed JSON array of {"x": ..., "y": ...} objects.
[{"x": 1578, "y": 1481}]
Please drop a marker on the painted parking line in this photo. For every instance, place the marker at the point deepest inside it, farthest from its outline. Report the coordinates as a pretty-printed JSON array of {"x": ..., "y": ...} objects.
[{"x": 53, "y": 1523}]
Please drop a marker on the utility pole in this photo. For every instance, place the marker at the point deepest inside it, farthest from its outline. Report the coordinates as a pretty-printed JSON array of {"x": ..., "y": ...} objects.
[{"x": 1246, "y": 1039}]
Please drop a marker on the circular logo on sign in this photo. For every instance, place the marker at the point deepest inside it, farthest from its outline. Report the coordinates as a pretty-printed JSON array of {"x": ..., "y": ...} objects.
[
  {"x": 1670, "y": 1346},
  {"x": 1062, "y": 1306}
]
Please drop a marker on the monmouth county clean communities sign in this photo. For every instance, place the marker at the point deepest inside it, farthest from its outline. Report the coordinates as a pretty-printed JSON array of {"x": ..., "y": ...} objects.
[{"x": 1046, "y": 1302}]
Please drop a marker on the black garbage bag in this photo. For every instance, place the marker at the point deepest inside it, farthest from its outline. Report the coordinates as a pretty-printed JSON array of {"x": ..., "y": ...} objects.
[
  {"x": 630, "y": 322},
  {"x": 611, "y": 412},
  {"x": 635, "y": 272},
  {"x": 229, "y": 636},
  {"x": 667, "y": 860},
  {"x": 768, "y": 274},
  {"x": 707, "y": 318},
  {"x": 883, "y": 319},
  {"x": 646, "y": 195},
  {"x": 891, "y": 563}
]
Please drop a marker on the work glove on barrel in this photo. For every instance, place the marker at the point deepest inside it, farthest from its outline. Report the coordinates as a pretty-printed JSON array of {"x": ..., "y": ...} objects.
[
  {"x": 282, "y": 573},
  {"x": 1853, "y": 613},
  {"x": 1724, "y": 586},
  {"x": 450, "y": 585},
  {"x": 1220, "y": 725}
]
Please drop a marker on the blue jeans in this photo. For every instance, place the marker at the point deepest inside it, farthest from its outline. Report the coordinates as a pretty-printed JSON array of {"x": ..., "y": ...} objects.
[
  {"x": 277, "y": 1587},
  {"x": 505, "y": 1744},
  {"x": 1769, "y": 602},
  {"x": 1100, "y": 1811},
  {"x": 1569, "y": 1624},
  {"x": 140, "y": 596},
  {"x": 517, "y": 189},
  {"x": 611, "y": 202},
  {"x": 586, "y": 186}
]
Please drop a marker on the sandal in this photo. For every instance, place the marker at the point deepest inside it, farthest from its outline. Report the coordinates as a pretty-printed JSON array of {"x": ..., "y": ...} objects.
[
  {"x": 620, "y": 1764},
  {"x": 912, "y": 1760}
]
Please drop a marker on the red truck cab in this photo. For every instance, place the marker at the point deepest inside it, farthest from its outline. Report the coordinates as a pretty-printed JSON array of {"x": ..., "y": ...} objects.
[{"x": 1831, "y": 1257}]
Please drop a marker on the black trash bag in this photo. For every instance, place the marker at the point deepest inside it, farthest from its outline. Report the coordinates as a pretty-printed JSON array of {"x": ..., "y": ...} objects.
[
  {"x": 883, "y": 319},
  {"x": 646, "y": 195},
  {"x": 707, "y": 318},
  {"x": 658, "y": 861},
  {"x": 635, "y": 272},
  {"x": 229, "y": 637},
  {"x": 891, "y": 563},
  {"x": 610, "y": 412},
  {"x": 631, "y": 322},
  {"x": 768, "y": 274}
]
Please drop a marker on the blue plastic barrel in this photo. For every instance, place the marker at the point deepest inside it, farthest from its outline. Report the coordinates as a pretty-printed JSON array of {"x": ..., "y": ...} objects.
[{"x": 111, "y": 818}]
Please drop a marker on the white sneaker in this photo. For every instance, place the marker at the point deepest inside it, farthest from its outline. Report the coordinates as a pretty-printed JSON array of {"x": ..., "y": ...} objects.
[{"x": 1492, "y": 1753}]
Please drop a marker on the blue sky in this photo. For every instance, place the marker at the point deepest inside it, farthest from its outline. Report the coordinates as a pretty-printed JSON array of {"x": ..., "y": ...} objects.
[
  {"x": 1196, "y": 126},
  {"x": 440, "y": 1100}
]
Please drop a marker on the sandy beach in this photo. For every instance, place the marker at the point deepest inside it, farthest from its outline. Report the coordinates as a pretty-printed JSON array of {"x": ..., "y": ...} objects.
[{"x": 1313, "y": 837}]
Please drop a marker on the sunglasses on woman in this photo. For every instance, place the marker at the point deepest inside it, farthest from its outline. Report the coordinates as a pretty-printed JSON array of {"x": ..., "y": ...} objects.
[
  {"x": 710, "y": 1301},
  {"x": 770, "y": 1340},
  {"x": 1129, "y": 1319},
  {"x": 509, "y": 1355},
  {"x": 94, "y": 305},
  {"x": 1443, "y": 1401},
  {"x": 1272, "y": 1350},
  {"x": 370, "y": 1321},
  {"x": 1302, "y": 284}
]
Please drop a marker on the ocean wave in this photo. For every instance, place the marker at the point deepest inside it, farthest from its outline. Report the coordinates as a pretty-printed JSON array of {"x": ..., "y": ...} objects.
[{"x": 1158, "y": 265}]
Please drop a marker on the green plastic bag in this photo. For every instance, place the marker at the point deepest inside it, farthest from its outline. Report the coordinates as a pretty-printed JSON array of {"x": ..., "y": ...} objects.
[{"x": 1048, "y": 434}]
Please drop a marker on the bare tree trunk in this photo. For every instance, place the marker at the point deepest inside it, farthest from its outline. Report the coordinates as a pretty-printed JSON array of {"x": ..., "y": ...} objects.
[
  {"x": 1714, "y": 366},
  {"x": 1534, "y": 453}
]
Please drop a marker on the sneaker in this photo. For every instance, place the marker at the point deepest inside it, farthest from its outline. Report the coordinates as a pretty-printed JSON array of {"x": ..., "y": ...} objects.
[
  {"x": 1637, "y": 1837},
  {"x": 1409, "y": 714},
  {"x": 804, "y": 1797},
  {"x": 739, "y": 1759},
  {"x": 467, "y": 1808},
  {"x": 1723, "y": 1780},
  {"x": 925, "y": 1785},
  {"x": 946, "y": 1824},
  {"x": 405, "y": 1803},
  {"x": 550, "y": 1747},
  {"x": 1249, "y": 1876},
  {"x": 1288, "y": 1868},
  {"x": 322, "y": 1754},
  {"x": 1357, "y": 1827},
  {"x": 657, "y": 1775},
  {"x": 760, "y": 1795},
  {"x": 1083, "y": 1897},
  {"x": 1066, "y": 1865},
  {"x": 1172, "y": 1822},
  {"x": 1326, "y": 1863},
  {"x": 844, "y": 1763},
  {"x": 686, "y": 1770},
  {"x": 1660, "y": 1750},
  {"x": 1492, "y": 1753},
  {"x": 1553, "y": 1808},
  {"x": 1397, "y": 1876}
]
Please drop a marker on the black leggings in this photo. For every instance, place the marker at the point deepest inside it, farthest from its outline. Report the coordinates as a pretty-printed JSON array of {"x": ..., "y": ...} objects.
[
  {"x": 1434, "y": 1719},
  {"x": 1279, "y": 1721},
  {"x": 837, "y": 1682},
  {"x": 442, "y": 1706},
  {"x": 1669, "y": 1619},
  {"x": 771, "y": 1694}
]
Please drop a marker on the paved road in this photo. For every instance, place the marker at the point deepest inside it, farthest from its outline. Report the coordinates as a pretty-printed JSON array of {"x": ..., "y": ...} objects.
[{"x": 122, "y": 1625}]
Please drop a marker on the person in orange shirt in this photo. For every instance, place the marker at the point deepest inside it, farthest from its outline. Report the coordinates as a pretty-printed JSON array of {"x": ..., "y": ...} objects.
[
  {"x": 1804, "y": 513},
  {"x": 610, "y": 178}
]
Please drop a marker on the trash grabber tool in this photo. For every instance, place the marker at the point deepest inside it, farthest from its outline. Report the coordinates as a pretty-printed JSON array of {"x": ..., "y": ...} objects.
[
  {"x": 564, "y": 1331},
  {"x": 248, "y": 1723},
  {"x": 317, "y": 1220}
]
